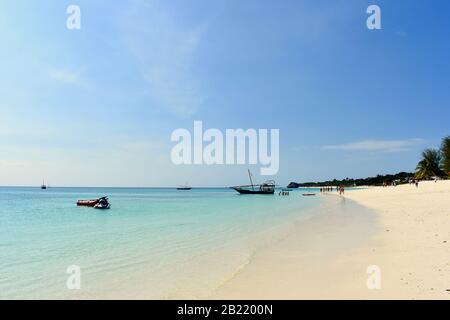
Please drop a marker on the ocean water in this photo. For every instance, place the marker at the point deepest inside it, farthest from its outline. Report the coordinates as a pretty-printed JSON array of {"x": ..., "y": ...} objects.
[{"x": 152, "y": 244}]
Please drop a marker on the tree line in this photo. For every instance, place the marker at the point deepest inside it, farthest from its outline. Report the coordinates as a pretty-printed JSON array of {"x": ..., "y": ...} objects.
[
  {"x": 379, "y": 180},
  {"x": 433, "y": 163}
]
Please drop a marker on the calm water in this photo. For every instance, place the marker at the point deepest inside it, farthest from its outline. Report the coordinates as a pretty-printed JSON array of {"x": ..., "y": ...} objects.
[{"x": 153, "y": 243}]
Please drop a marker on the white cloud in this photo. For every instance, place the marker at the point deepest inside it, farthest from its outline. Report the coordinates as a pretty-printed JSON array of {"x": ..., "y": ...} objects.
[
  {"x": 65, "y": 76},
  {"x": 400, "y": 33},
  {"x": 11, "y": 163},
  {"x": 378, "y": 145}
]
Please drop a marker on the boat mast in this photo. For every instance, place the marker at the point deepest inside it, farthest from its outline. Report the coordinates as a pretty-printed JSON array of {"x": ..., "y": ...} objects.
[{"x": 250, "y": 176}]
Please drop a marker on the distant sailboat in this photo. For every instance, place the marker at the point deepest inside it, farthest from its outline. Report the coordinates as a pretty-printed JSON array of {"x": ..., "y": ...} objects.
[
  {"x": 184, "y": 188},
  {"x": 43, "y": 185},
  {"x": 267, "y": 187}
]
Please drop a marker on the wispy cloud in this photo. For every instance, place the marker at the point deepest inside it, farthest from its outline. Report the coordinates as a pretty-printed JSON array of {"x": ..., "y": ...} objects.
[
  {"x": 65, "y": 76},
  {"x": 378, "y": 145},
  {"x": 10, "y": 163},
  {"x": 165, "y": 52}
]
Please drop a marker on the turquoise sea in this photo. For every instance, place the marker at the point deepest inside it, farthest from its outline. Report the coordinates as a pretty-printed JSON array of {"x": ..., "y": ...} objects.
[{"x": 153, "y": 243}]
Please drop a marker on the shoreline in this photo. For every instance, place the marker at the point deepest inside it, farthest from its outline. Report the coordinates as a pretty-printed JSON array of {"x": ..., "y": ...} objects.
[
  {"x": 402, "y": 230},
  {"x": 301, "y": 265}
]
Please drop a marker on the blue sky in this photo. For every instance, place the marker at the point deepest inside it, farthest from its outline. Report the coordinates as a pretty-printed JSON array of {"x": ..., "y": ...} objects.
[{"x": 97, "y": 106}]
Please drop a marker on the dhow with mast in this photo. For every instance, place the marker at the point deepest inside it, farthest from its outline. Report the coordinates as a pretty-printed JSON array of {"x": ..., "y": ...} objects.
[{"x": 267, "y": 187}]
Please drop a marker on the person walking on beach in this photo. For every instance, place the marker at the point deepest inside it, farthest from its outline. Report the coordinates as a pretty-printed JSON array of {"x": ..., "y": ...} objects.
[{"x": 417, "y": 183}]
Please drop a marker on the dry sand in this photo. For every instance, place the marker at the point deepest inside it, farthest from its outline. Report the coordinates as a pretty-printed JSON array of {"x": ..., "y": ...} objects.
[{"x": 403, "y": 230}]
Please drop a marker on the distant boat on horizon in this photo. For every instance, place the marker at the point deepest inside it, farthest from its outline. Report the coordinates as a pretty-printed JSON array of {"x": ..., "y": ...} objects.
[
  {"x": 43, "y": 185},
  {"x": 184, "y": 187},
  {"x": 267, "y": 187}
]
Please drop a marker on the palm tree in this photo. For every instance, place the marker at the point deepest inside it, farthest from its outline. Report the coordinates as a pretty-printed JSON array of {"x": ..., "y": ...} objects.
[
  {"x": 445, "y": 151},
  {"x": 429, "y": 166}
]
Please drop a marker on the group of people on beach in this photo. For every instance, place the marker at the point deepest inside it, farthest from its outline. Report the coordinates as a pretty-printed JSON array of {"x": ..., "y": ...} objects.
[
  {"x": 339, "y": 189},
  {"x": 414, "y": 181}
]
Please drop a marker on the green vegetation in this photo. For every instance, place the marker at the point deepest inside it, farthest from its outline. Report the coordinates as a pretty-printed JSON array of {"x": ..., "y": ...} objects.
[
  {"x": 445, "y": 151},
  {"x": 430, "y": 165},
  {"x": 379, "y": 180},
  {"x": 435, "y": 163}
]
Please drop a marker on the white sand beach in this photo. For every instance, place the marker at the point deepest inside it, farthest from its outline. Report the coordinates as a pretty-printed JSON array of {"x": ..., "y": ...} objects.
[{"x": 403, "y": 230}]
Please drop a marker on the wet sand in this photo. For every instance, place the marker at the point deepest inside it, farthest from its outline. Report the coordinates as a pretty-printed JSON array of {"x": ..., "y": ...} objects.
[{"x": 306, "y": 263}]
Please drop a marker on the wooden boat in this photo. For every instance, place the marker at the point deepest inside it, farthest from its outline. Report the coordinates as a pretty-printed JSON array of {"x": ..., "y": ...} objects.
[
  {"x": 185, "y": 188},
  {"x": 308, "y": 194},
  {"x": 267, "y": 187},
  {"x": 100, "y": 203}
]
